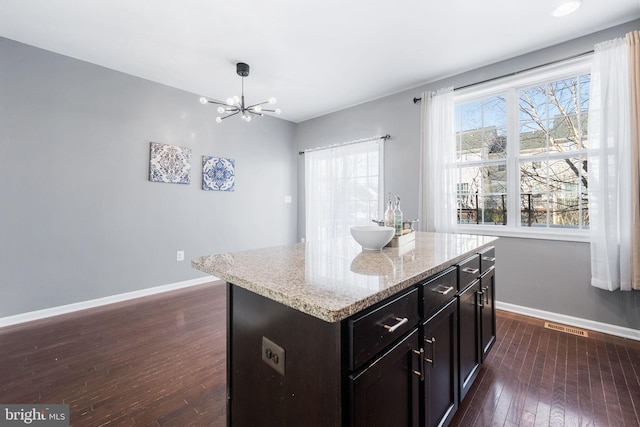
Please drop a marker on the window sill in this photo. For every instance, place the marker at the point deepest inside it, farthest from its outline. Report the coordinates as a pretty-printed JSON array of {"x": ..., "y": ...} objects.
[{"x": 520, "y": 233}]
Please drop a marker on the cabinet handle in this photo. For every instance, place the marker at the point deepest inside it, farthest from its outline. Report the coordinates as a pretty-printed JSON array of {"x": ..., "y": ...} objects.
[
  {"x": 401, "y": 321},
  {"x": 485, "y": 292},
  {"x": 481, "y": 302},
  {"x": 442, "y": 289},
  {"x": 488, "y": 258},
  {"x": 432, "y": 341},
  {"x": 470, "y": 270},
  {"x": 420, "y": 354}
]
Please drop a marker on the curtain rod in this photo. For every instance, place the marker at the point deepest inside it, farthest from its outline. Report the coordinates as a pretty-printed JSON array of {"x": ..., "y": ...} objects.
[
  {"x": 416, "y": 99},
  {"x": 373, "y": 138}
]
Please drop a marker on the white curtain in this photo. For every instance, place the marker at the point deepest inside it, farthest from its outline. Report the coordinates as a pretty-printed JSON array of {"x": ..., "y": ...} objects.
[
  {"x": 610, "y": 166},
  {"x": 437, "y": 198},
  {"x": 343, "y": 187}
]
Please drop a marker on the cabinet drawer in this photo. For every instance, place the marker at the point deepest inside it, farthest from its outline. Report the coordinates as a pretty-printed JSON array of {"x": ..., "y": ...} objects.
[
  {"x": 439, "y": 290},
  {"x": 468, "y": 271},
  {"x": 376, "y": 328},
  {"x": 487, "y": 259}
]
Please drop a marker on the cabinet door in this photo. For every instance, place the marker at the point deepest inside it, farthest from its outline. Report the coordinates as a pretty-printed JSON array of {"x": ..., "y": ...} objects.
[
  {"x": 468, "y": 330},
  {"x": 441, "y": 366},
  {"x": 386, "y": 392},
  {"x": 487, "y": 312}
]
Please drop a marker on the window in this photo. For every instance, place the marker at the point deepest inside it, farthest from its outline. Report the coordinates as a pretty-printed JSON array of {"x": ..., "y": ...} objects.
[
  {"x": 521, "y": 151},
  {"x": 343, "y": 187}
]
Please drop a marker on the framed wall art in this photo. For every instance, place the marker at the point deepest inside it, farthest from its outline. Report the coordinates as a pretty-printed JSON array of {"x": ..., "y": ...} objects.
[
  {"x": 169, "y": 163},
  {"x": 218, "y": 174}
]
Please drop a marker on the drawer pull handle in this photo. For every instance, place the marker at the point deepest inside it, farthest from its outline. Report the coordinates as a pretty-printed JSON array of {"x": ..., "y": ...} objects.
[
  {"x": 470, "y": 270},
  {"x": 401, "y": 321},
  {"x": 488, "y": 258},
  {"x": 442, "y": 289},
  {"x": 420, "y": 354},
  {"x": 432, "y": 341}
]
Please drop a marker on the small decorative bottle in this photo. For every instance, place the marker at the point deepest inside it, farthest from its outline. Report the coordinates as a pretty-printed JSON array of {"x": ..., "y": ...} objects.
[
  {"x": 397, "y": 217},
  {"x": 389, "y": 220}
]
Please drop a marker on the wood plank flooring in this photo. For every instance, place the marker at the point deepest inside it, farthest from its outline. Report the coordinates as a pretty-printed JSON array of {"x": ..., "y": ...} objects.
[
  {"x": 154, "y": 361},
  {"x": 541, "y": 377},
  {"x": 160, "y": 361}
]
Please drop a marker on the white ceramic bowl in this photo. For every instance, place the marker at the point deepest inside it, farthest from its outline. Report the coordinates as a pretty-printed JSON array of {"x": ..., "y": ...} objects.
[{"x": 372, "y": 237}]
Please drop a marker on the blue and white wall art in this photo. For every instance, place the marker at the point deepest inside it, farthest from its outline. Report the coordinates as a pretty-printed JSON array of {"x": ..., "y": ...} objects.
[
  {"x": 218, "y": 174},
  {"x": 169, "y": 163}
]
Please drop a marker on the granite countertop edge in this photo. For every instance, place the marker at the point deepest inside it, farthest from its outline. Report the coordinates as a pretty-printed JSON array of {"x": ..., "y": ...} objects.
[{"x": 331, "y": 314}]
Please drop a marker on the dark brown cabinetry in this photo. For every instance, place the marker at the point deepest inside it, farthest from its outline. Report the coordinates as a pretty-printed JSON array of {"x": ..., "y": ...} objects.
[
  {"x": 377, "y": 328},
  {"x": 440, "y": 385},
  {"x": 405, "y": 361},
  {"x": 384, "y": 339},
  {"x": 469, "y": 323},
  {"x": 487, "y": 312},
  {"x": 476, "y": 314},
  {"x": 487, "y": 306},
  {"x": 385, "y": 393}
]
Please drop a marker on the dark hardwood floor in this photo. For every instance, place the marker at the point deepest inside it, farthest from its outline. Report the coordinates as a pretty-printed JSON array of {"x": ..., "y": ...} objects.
[
  {"x": 541, "y": 377},
  {"x": 160, "y": 361},
  {"x": 154, "y": 361}
]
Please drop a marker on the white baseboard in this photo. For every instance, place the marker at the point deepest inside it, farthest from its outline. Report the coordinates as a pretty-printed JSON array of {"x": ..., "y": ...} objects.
[
  {"x": 527, "y": 311},
  {"x": 69, "y": 308},
  {"x": 605, "y": 328}
]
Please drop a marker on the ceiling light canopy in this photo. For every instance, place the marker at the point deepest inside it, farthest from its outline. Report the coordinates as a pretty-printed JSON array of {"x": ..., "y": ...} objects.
[
  {"x": 566, "y": 7},
  {"x": 236, "y": 104}
]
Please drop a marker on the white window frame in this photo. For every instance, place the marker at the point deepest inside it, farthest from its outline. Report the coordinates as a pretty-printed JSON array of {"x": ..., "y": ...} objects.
[{"x": 510, "y": 86}]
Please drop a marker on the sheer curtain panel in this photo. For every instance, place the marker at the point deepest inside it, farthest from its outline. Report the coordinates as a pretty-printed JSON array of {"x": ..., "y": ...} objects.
[
  {"x": 437, "y": 198},
  {"x": 610, "y": 166},
  {"x": 343, "y": 187}
]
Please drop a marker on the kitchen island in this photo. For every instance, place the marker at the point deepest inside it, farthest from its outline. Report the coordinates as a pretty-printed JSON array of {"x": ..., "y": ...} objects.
[{"x": 325, "y": 334}]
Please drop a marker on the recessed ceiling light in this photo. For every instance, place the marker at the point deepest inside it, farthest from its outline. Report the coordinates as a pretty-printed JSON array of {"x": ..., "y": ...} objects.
[{"x": 565, "y": 8}]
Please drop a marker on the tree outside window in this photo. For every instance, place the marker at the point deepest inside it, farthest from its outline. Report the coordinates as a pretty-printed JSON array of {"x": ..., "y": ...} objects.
[{"x": 548, "y": 155}]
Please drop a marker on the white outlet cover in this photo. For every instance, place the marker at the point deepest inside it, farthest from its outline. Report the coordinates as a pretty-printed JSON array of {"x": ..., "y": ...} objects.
[
  {"x": 180, "y": 256},
  {"x": 288, "y": 199}
]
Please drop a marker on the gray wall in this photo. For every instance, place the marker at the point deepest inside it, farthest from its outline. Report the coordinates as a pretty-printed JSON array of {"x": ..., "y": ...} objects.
[
  {"x": 545, "y": 275},
  {"x": 79, "y": 219}
]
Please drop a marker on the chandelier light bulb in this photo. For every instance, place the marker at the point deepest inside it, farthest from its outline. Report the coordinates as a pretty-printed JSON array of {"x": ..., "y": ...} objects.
[
  {"x": 236, "y": 104},
  {"x": 278, "y": 111}
]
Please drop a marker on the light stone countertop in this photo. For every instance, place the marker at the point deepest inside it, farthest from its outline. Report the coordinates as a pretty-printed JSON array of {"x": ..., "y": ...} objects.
[{"x": 333, "y": 279}]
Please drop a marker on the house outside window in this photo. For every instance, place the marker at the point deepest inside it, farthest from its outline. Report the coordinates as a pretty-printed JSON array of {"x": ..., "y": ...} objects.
[{"x": 521, "y": 146}]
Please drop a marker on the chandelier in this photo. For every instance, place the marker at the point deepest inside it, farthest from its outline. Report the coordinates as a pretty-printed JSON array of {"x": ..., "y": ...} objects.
[{"x": 236, "y": 104}]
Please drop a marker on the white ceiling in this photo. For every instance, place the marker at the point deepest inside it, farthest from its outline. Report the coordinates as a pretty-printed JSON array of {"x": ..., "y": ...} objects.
[{"x": 314, "y": 57}]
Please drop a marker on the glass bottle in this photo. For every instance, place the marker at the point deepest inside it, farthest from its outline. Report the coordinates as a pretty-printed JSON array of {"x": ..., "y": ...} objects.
[
  {"x": 397, "y": 217},
  {"x": 389, "y": 220}
]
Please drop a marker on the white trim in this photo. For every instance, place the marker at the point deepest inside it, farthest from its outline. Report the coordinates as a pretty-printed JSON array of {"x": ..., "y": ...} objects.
[
  {"x": 70, "y": 308},
  {"x": 541, "y": 233},
  {"x": 605, "y": 328}
]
